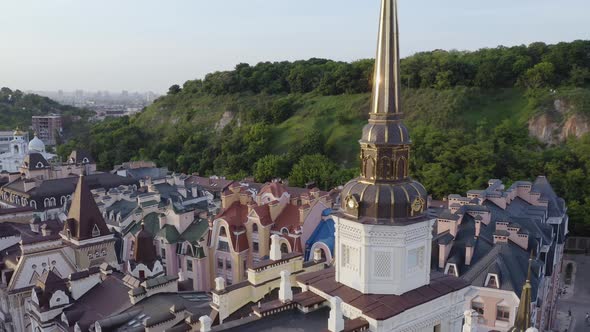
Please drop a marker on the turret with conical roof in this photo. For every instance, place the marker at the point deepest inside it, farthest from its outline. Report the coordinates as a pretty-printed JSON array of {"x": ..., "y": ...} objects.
[
  {"x": 84, "y": 221},
  {"x": 144, "y": 250},
  {"x": 385, "y": 193}
]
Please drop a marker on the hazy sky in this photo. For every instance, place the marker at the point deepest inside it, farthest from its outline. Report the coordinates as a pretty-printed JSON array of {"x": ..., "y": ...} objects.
[{"x": 152, "y": 44}]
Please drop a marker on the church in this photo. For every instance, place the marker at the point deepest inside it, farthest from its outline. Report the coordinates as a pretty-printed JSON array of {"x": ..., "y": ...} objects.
[{"x": 20, "y": 150}]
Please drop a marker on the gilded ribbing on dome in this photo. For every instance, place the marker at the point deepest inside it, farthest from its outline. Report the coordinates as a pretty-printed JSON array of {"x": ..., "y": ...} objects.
[{"x": 386, "y": 82}]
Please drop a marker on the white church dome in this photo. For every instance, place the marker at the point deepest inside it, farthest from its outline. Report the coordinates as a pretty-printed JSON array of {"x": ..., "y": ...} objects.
[{"x": 36, "y": 145}]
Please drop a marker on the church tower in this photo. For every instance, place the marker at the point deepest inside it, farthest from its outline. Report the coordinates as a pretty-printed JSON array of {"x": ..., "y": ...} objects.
[
  {"x": 86, "y": 232},
  {"x": 383, "y": 237}
]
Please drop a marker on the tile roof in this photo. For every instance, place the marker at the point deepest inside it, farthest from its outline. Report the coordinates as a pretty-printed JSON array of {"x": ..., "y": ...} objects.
[
  {"x": 382, "y": 307},
  {"x": 84, "y": 217}
]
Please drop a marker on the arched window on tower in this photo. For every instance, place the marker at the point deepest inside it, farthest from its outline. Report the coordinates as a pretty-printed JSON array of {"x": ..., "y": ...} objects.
[
  {"x": 401, "y": 168},
  {"x": 254, "y": 228},
  {"x": 386, "y": 167}
]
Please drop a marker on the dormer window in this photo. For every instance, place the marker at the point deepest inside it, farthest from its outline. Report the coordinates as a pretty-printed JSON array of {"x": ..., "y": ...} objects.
[
  {"x": 40, "y": 165},
  {"x": 451, "y": 269},
  {"x": 492, "y": 281},
  {"x": 222, "y": 232},
  {"x": 254, "y": 228},
  {"x": 95, "y": 231},
  {"x": 85, "y": 161}
]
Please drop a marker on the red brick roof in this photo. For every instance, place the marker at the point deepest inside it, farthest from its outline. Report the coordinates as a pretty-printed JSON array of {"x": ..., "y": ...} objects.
[{"x": 382, "y": 307}]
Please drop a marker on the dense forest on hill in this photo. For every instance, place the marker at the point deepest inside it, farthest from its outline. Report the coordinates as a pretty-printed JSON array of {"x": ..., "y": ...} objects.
[
  {"x": 17, "y": 108},
  {"x": 468, "y": 114}
]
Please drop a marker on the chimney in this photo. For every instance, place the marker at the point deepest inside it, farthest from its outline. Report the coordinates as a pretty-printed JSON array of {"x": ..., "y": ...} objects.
[
  {"x": 219, "y": 284},
  {"x": 477, "y": 226},
  {"x": 303, "y": 213},
  {"x": 194, "y": 191},
  {"x": 45, "y": 231},
  {"x": 162, "y": 219},
  {"x": 180, "y": 276},
  {"x": 275, "y": 209},
  {"x": 13, "y": 176},
  {"x": 317, "y": 255},
  {"x": 205, "y": 322},
  {"x": 29, "y": 184},
  {"x": 275, "y": 248},
  {"x": 336, "y": 321},
  {"x": 285, "y": 291},
  {"x": 468, "y": 254}
]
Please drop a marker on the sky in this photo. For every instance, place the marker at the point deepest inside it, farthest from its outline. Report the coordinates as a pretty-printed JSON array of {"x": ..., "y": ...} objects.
[{"x": 148, "y": 45}]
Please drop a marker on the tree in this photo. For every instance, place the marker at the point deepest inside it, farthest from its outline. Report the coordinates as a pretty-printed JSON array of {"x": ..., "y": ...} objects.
[
  {"x": 314, "y": 168},
  {"x": 175, "y": 89},
  {"x": 271, "y": 167},
  {"x": 542, "y": 75}
]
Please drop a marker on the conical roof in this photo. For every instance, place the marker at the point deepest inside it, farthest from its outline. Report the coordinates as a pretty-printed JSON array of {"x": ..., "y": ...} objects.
[
  {"x": 144, "y": 249},
  {"x": 84, "y": 218}
]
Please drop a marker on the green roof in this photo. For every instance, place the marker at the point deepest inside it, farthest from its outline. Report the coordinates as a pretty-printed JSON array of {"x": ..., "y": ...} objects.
[
  {"x": 170, "y": 233},
  {"x": 149, "y": 203},
  {"x": 195, "y": 231},
  {"x": 152, "y": 224}
]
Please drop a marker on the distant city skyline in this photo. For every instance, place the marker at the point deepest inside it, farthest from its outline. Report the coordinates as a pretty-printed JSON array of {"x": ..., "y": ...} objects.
[{"x": 149, "y": 45}]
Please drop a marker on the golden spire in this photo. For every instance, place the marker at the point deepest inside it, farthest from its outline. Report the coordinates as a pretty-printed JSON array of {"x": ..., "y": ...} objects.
[
  {"x": 386, "y": 83},
  {"x": 523, "y": 317}
]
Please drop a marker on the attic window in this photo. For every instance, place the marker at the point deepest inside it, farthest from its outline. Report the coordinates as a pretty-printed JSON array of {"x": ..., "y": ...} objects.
[
  {"x": 39, "y": 165},
  {"x": 85, "y": 161},
  {"x": 451, "y": 269},
  {"x": 95, "y": 231},
  {"x": 492, "y": 281}
]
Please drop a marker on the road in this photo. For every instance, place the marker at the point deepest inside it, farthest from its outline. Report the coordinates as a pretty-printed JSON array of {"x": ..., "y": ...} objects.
[{"x": 577, "y": 298}]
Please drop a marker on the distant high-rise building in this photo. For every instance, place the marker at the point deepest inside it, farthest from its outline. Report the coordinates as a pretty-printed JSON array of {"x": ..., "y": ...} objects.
[{"x": 48, "y": 127}]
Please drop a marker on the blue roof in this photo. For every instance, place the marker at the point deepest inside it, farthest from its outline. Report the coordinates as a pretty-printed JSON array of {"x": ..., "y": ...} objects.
[{"x": 324, "y": 233}]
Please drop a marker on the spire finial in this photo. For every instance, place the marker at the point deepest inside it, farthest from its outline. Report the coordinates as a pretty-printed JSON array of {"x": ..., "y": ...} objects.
[{"x": 386, "y": 82}]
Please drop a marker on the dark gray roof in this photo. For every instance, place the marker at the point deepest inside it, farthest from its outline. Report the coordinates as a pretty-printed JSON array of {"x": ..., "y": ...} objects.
[
  {"x": 79, "y": 156},
  {"x": 153, "y": 173},
  {"x": 288, "y": 320},
  {"x": 556, "y": 206},
  {"x": 35, "y": 160},
  {"x": 66, "y": 186}
]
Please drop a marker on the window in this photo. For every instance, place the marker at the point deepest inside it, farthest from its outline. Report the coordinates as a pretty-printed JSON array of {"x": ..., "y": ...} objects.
[
  {"x": 189, "y": 265},
  {"x": 220, "y": 263},
  {"x": 503, "y": 314},
  {"x": 451, "y": 270},
  {"x": 95, "y": 231},
  {"x": 284, "y": 248},
  {"x": 163, "y": 251},
  {"x": 104, "y": 252},
  {"x": 254, "y": 228},
  {"x": 222, "y": 232},
  {"x": 141, "y": 274},
  {"x": 492, "y": 281},
  {"x": 222, "y": 246},
  {"x": 478, "y": 307},
  {"x": 255, "y": 247},
  {"x": 415, "y": 258},
  {"x": 228, "y": 264}
]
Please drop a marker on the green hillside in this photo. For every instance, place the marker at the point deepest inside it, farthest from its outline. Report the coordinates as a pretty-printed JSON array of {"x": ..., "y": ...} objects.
[{"x": 468, "y": 113}]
